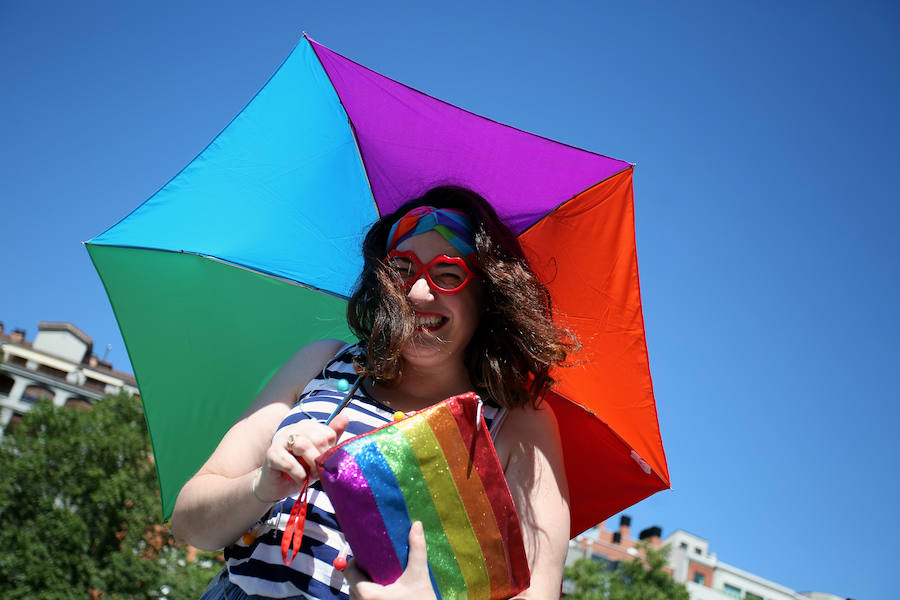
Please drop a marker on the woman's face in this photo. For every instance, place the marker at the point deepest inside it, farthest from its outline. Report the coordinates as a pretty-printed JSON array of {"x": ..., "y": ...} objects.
[{"x": 445, "y": 322}]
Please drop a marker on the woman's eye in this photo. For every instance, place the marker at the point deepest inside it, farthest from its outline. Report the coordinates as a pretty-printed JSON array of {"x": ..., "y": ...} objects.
[
  {"x": 448, "y": 277},
  {"x": 402, "y": 266}
]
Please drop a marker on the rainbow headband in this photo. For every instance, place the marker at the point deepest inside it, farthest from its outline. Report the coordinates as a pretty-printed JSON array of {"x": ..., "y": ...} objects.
[{"x": 453, "y": 225}]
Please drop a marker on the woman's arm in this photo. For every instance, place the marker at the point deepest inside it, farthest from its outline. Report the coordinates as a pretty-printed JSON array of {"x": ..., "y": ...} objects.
[
  {"x": 531, "y": 455},
  {"x": 245, "y": 474}
]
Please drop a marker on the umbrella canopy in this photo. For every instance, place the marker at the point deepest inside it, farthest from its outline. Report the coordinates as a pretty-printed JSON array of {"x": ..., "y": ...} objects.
[{"x": 252, "y": 249}]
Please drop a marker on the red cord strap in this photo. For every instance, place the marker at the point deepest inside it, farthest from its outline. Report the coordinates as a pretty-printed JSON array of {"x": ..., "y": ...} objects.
[{"x": 293, "y": 532}]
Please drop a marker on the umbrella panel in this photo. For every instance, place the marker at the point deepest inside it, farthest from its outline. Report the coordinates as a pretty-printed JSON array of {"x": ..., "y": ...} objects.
[
  {"x": 184, "y": 317},
  {"x": 280, "y": 190},
  {"x": 411, "y": 142},
  {"x": 584, "y": 252},
  {"x": 603, "y": 475}
]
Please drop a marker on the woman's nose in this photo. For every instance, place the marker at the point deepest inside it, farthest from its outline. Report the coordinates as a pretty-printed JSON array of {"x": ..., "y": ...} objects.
[{"x": 420, "y": 291}]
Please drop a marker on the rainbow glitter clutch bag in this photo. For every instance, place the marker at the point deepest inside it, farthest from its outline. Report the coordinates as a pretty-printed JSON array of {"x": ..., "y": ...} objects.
[{"x": 437, "y": 466}]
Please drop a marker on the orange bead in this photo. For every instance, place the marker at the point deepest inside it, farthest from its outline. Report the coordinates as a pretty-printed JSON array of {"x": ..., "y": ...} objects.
[
  {"x": 248, "y": 538},
  {"x": 399, "y": 415}
]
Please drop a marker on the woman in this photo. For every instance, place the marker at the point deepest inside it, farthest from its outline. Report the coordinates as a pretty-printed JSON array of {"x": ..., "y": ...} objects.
[{"x": 446, "y": 304}]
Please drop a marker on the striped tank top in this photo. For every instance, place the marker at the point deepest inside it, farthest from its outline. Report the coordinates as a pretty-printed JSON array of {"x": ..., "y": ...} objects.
[{"x": 258, "y": 568}]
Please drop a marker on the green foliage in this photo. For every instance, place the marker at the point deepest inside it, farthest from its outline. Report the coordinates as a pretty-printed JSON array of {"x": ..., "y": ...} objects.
[
  {"x": 590, "y": 578},
  {"x": 79, "y": 509},
  {"x": 641, "y": 578}
]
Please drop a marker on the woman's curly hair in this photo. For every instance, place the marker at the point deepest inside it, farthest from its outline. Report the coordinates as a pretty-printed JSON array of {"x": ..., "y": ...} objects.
[{"x": 516, "y": 342}]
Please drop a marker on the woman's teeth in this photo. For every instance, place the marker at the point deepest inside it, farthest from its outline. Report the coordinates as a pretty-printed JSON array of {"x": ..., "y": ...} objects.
[{"x": 430, "y": 321}]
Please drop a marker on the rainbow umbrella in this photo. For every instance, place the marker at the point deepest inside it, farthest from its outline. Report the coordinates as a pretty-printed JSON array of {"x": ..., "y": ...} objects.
[{"x": 251, "y": 251}]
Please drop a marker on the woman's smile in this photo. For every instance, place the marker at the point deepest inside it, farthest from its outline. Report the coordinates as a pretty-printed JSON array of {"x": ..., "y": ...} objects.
[{"x": 429, "y": 321}]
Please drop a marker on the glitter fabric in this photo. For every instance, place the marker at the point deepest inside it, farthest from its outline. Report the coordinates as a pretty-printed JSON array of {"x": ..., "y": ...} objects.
[
  {"x": 358, "y": 498},
  {"x": 395, "y": 447},
  {"x": 487, "y": 465},
  {"x": 388, "y": 497},
  {"x": 449, "y": 504},
  {"x": 437, "y": 467},
  {"x": 473, "y": 496}
]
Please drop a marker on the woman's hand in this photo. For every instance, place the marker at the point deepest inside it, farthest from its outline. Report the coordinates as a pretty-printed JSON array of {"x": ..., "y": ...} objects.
[
  {"x": 281, "y": 473},
  {"x": 413, "y": 583}
]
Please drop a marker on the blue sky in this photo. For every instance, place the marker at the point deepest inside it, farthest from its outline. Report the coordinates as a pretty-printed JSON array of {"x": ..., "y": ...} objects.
[{"x": 765, "y": 137}]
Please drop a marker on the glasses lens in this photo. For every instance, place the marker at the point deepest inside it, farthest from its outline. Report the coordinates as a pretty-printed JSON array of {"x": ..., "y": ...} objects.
[
  {"x": 447, "y": 275},
  {"x": 405, "y": 268}
]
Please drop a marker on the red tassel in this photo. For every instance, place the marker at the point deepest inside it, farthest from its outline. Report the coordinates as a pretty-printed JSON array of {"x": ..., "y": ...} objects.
[{"x": 293, "y": 532}]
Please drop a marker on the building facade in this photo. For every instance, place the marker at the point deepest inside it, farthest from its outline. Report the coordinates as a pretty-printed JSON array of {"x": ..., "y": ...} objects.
[
  {"x": 58, "y": 364},
  {"x": 690, "y": 563}
]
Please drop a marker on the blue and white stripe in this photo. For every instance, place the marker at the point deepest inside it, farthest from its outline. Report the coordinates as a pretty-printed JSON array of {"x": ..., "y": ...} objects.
[{"x": 258, "y": 569}]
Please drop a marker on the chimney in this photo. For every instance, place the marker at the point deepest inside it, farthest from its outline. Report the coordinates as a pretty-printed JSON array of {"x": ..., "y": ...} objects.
[
  {"x": 624, "y": 527},
  {"x": 18, "y": 336},
  {"x": 652, "y": 535},
  {"x": 1, "y": 327}
]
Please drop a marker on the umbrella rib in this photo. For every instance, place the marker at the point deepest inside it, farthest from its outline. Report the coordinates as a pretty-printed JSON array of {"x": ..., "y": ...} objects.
[
  {"x": 359, "y": 152},
  {"x": 555, "y": 208},
  {"x": 263, "y": 272},
  {"x": 211, "y": 142},
  {"x": 272, "y": 275},
  {"x": 623, "y": 441},
  {"x": 409, "y": 87}
]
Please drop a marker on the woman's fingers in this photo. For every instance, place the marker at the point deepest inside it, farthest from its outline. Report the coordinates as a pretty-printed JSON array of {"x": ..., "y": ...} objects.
[
  {"x": 286, "y": 462},
  {"x": 352, "y": 573},
  {"x": 339, "y": 425},
  {"x": 417, "y": 564},
  {"x": 282, "y": 473},
  {"x": 360, "y": 586},
  {"x": 309, "y": 440},
  {"x": 413, "y": 583}
]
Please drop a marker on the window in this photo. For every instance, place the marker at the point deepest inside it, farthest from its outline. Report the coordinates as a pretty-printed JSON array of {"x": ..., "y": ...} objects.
[
  {"x": 752, "y": 596},
  {"x": 734, "y": 592},
  {"x": 33, "y": 393},
  {"x": 14, "y": 422},
  {"x": 47, "y": 370},
  {"x": 93, "y": 384},
  {"x": 79, "y": 403},
  {"x": 699, "y": 578},
  {"x": 698, "y": 551},
  {"x": 6, "y": 384},
  {"x": 683, "y": 545}
]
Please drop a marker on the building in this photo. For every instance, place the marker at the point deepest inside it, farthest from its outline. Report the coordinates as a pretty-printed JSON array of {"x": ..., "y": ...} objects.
[
  {"x": 59, "y": 364},
  {"x": 611, "y": 546},
  {"x": 708, "y": 578},
  {"x": 690, "y": 563}
]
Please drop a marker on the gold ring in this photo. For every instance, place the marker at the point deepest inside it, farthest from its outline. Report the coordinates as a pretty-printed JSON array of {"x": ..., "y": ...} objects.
[{"x": 290, "y": 444}]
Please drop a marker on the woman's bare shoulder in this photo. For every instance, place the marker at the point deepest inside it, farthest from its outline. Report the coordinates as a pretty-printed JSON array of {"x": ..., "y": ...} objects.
[
  {"x": 526, "y": 429},
  {"x": 527, "y": 422}
]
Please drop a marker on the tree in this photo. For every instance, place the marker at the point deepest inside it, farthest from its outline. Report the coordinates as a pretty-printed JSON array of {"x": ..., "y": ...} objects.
[
  {"x": 590, "y": 579},
  {"x": 79, "y": 510},
  {"x": 642, "y": 578}
]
